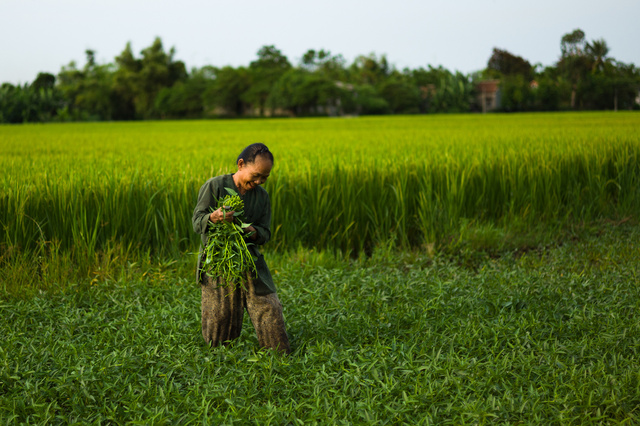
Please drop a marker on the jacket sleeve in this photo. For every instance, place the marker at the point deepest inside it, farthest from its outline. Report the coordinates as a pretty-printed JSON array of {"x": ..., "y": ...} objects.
[
  {"x": 206, "y": 200},
  {"x": 263, "y": 224}
]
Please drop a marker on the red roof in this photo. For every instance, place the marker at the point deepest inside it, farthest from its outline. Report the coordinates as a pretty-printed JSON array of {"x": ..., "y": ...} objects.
[{"x": 488, "y": 86}]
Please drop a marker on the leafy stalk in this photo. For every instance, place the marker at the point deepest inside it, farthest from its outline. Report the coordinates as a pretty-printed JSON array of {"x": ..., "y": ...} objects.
[{"x": 227, "y": 254}]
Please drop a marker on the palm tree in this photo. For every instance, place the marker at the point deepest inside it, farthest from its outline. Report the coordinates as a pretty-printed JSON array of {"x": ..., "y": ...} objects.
[{"x": 597, "y": 51}]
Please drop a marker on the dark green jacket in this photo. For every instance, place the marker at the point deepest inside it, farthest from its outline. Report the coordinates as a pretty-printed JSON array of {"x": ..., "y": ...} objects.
[{"x": 257, "y": 212}]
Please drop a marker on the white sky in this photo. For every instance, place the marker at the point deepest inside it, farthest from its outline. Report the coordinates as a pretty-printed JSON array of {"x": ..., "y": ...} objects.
[{"x": 44, "y": 35}]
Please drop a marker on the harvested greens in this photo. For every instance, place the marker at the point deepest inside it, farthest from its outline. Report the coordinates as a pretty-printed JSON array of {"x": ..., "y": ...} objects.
[{"x": 227, "y": 253}]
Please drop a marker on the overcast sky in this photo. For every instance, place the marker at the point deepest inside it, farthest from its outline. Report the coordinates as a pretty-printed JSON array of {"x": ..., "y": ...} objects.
[{"x": 44, "y": 35}]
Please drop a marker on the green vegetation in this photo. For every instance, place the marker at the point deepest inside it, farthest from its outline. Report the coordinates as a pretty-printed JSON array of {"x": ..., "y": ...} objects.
[
  {"x": 226, "y": 254},
  {"x": 344, "y": 184},
  {"x": 433, "y": 270},
  {"x": 156, "y": 85},
  {"x": 545, "y": 337}
]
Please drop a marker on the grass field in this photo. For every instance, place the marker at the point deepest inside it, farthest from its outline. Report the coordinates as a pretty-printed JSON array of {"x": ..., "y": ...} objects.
[
  {"x": 548, "y": 337},
  {"x": 433, "y": 269}
]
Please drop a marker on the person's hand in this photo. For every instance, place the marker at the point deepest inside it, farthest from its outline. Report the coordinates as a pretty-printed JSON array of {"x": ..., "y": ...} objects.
[
  {"x": 221, "y": 215},
  {"x": 251, "y": 231}
]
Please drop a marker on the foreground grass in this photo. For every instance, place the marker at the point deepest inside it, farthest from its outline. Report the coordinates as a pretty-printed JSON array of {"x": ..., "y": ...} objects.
[{"x": 549, "y": 336}]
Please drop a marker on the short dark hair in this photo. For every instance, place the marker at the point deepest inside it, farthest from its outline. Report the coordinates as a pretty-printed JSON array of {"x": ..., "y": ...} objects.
[{"x": 250, "y": 153}]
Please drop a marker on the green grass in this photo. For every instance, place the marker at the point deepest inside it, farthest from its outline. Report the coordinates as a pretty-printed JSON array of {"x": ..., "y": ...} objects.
[{"x": 547, "y": 336}]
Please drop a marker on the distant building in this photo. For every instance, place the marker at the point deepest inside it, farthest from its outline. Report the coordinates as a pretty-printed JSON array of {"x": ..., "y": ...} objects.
[
  {"x": 427, "y": 91},
  {"x": 488, "y": 96}
]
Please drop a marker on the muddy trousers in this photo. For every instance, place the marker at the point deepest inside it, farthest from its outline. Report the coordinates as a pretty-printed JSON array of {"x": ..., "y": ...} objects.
[{"x": 223, "y": 310}]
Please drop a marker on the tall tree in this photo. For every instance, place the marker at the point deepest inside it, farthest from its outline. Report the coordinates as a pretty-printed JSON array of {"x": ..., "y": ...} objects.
[
  {"x": 126, "y": 82},
  {"x": 138, "y": 81},
  {"x": 443, "y": 91},
  {"x": 226, "y": 91},
  {"x": 264, "y": 72},
  {"x": 323, "y": 62},
  {"x": 87, "y": 91},
  {"x": 95, "y": 95},
  {"x": 574, "y": 63},
  {"x": 369, "y": 69},
  {"x": 548, "y": 94},
  {"x": 302, "y": 92},
  {"x": 185, "y": 98},
  {"x": 515, "y": 74},
  {"x": 597, "y": 51},
  {"x": 573, "y": 43},
  {"x": 505, "y": 63},
  {"x": 401, "y": 93},
  {"x": 44, "y": 80}
]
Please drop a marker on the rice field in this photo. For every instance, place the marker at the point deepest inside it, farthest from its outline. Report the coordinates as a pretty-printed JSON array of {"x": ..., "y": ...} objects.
[
  {"x": 433, "y": 270},
  {"x": 339, "y": 184}
]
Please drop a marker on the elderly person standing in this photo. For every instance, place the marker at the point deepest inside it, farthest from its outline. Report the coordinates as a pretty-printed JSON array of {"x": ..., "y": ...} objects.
[{"x": 223, "y": 305}]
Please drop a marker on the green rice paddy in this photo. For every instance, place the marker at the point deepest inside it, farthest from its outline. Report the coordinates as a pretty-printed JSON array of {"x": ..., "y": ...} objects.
[
  {"x": 433, "y": 270},
  {"x": 338, "y": 184}
]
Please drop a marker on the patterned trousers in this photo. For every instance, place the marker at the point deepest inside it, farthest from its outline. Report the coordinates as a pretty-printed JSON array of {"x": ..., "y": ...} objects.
[{"x": 223, "y": 310}]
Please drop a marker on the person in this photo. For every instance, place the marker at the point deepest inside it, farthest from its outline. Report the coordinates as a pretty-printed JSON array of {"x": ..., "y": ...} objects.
[{"x": 223, "y": 305}]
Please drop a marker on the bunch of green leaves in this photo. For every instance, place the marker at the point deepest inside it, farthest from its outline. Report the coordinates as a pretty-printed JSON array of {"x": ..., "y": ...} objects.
[{"x": 227, "y": 255}]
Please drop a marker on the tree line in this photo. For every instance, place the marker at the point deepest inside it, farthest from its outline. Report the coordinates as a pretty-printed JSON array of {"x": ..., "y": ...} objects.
[{"x": 155, "y": 85}]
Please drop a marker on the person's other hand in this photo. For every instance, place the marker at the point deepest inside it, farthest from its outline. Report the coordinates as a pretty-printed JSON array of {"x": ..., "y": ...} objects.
[
  {"x": 251, "y": 231},
  {"x": 220, "y": 215}
]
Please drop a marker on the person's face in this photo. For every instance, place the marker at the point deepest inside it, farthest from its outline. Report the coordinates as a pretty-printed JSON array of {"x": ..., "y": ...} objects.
[{"x": 253, "y": 174}]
